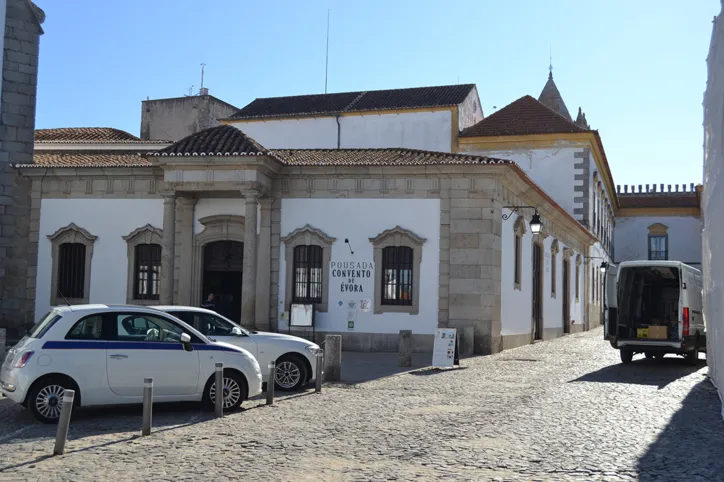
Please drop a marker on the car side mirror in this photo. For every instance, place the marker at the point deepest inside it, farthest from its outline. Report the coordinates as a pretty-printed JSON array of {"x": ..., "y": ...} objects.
[
  {"x": 186, "y": 342},
  {"x": 236, "y": 331}
]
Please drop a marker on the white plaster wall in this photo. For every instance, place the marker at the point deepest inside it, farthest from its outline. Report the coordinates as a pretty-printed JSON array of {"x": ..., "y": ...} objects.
[
  {"x": 216, "y": 206},
  {"x": 632, "y": 236},
  {"x": 430, "y": 131},
  {"x": 597, "y": 207},
  {"x": 311, "y": 133},
  {"x": 414, "y": 130},
  {"x": 358, "y": 220},
  {"x": 712, "y": 200},
  {"x": 110, "y": 220},
  {"x": 516, "y": 305},
  {"x": 550, "y": 168},
  {"x": 470, "y": 112}
]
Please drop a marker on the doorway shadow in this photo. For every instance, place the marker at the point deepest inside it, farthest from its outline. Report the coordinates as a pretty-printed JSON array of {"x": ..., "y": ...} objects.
[
  {"x": 691, "y": 443},
  {"x": 643, "y": 371}
]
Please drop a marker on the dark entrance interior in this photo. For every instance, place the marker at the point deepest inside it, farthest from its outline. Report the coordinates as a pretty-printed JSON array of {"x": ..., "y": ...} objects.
[
  {"x": 566, "y": 298},
  {"x": 537, "y": 293},
  {"x": 223, "y": 266}
]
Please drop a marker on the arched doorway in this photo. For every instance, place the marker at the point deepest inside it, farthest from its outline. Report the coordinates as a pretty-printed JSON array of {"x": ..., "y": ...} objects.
[{"x": 223, "y": 265}]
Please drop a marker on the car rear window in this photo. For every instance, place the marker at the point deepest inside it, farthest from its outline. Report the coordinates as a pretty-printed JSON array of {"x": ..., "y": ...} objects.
[{"x": 45, "y": 323}]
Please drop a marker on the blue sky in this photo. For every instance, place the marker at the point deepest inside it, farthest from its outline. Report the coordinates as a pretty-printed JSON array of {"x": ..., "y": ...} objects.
[{"x": 638, "y": 68}]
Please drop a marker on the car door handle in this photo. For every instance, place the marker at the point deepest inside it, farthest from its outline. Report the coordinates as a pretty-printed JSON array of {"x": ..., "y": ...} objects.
[{"x": 118, "y": 357}]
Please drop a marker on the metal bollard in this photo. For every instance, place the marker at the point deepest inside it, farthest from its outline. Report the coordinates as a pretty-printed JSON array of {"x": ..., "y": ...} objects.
[
  {"x": 64, "y": 422},
  {"x": 270, "y": 383},
  {"x": 320, "y": 372},
  {"x": 219, "y": 390},
  {"x": 147, "y": 405}
]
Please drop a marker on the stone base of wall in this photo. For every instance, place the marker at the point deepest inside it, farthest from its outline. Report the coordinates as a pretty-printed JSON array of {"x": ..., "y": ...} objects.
[
  {"x": 577, "y": 328},
  {"x": 552, "y": 333},
  {"x": 594, "y": 316},
  {"x": 514, "y": 341},
  {"x": 370, "y": 342}
]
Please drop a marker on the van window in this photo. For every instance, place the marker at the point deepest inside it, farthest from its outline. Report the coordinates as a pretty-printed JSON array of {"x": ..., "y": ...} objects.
[{"x": 45, "y": 323}]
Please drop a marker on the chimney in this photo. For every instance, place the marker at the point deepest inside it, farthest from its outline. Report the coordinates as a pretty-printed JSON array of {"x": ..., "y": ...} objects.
[
  {"x": 625, "y": 188},
  {"x": 640, "y": 189},
  {"x": 618, "y": 188},
  {"x": 683, "y": 188},
  {"x": 204, "y": 91},
  {"x": 653, "y": 188},
  {"x": 669, "y": 187},
  {"x": 647, "y": 188},
  {"x": 677, "y": 188},
  {"x": 692, "y": 187},
  {"x": 662, "y": 188}
]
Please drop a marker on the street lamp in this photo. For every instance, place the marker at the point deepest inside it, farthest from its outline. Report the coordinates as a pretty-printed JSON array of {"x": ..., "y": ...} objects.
[
  {"x": 535, "y": 222},
  {"x": 604, "y": 267}
]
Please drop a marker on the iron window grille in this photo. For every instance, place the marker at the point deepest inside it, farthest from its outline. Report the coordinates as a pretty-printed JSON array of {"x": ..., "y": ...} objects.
[
  {"x": 658, "y": 249},
  {"x": 516, "y": 264},
  {"x": 307, "y": 282},
  {"x": 397, "y": 272},
  {"x": 147, "y": 272},
  {"x": 71, "y": 270}
]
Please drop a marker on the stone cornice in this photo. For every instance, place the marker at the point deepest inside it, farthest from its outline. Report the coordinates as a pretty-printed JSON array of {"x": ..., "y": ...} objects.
[
  {"x": 397, "y": 231},
  {"x": 308, "y": 230},
  {"x": 72, "y": 228}
]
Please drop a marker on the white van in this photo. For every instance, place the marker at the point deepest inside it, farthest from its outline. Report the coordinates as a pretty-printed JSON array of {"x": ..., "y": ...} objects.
[{"x": 654, "y": 308}]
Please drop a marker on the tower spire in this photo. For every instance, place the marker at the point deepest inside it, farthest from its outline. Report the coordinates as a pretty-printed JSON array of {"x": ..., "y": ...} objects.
[{"x": 550, "y": 63}]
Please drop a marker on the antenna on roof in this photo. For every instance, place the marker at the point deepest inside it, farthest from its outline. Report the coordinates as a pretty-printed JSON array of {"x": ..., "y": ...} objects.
[
  {"x": 202, "y": 90},
  {"x": 191, "y": 90},
  {"x": 326, "y": 60}
]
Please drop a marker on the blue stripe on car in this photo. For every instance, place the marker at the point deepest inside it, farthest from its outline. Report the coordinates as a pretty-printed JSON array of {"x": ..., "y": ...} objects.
[{"x": 127, "y": 345}]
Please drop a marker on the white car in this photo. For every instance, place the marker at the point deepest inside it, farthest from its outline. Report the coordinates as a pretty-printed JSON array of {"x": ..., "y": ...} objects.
[
  {"x": 296, "y": 358},
  {"x": 104, "y": 352}
]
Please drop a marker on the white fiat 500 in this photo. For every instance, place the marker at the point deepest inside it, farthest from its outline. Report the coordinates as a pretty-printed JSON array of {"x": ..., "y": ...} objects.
[
  {"x": 295, "y": 357},
  {"x": 104, "y": 352}
]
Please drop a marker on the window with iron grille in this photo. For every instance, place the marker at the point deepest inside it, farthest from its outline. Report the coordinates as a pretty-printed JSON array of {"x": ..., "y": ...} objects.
[
  {"x": 307, "y": 282},
  {"x": 147, "y": 272},
  {"x": 397, "y": 275},
  {"x": 658, "y": 249},
  {"x": 71, "y": 270}
]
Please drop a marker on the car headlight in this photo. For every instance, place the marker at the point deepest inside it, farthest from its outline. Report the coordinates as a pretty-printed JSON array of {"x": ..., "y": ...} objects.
[{"x": 313, "y": 349}]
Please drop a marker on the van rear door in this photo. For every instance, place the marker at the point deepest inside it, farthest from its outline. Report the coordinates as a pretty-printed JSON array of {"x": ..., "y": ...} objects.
[{"x": 610, "y": 303}]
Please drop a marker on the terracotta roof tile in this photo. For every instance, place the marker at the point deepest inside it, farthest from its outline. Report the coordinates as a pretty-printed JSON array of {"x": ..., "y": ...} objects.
[
  {"x": 221, "y": 140},
  {"x": 376, "y": 157},
  {"x": 321, "y": 104},
  {"x": 81, "y": 135},
  {"x": 86, "y": 159},
  {"x": 525, "y": 116}
]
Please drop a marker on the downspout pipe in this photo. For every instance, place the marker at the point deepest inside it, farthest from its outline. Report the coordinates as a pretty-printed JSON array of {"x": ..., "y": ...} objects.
[{"x": 339, "y": 130}]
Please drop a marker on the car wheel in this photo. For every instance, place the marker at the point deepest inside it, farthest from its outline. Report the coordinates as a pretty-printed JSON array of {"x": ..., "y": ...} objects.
[
  {"x": 290, "y": 373},
  {"x": 234, "y": 389},
  {"x": 45, "y": 398},
  {"x": 626, "y": 356}
]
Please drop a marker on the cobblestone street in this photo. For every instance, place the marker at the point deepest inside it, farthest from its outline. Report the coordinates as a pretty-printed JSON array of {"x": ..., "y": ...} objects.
[{"x": 559, "y": 410}]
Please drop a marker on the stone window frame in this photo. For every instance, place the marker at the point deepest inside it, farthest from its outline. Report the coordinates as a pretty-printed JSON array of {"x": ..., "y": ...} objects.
[
  {"x": 147, "y": 234},
  {"x": 555, "y": 249},
  {"x": 71, "y": 233},
  {"x": 305, "y": 236},
  {"x": 519, "y": 231},
  {"x": 397, "y": 237},
  {"x": 658, "y": 230},
  {"x": 579, "y": 261}
]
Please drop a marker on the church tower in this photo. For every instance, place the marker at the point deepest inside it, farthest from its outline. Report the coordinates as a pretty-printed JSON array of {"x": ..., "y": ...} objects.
[{"x": 551, "y": 98}]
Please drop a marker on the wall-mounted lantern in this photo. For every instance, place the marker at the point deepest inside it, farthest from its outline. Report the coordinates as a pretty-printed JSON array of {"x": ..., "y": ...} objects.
[
  {"x": 535, "y": 222},
  {"x": 604, "y": 263}
]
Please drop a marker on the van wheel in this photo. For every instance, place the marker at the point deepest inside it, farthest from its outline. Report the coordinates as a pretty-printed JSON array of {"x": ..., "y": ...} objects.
[
  {"x": 692, "y": 357},
  {"x": 626, "y": 356}
]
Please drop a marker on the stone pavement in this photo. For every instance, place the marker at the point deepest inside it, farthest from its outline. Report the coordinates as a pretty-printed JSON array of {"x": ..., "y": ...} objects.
[{"x": 565, "y": 409}]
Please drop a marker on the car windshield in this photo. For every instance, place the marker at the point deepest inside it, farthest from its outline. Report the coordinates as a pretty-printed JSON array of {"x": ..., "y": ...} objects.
[{"x": 39, "y": 329}]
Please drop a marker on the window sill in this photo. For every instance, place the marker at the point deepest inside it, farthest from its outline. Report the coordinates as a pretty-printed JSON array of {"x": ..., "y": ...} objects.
[
  {"x": 409, "y": 309},
  {"x": 516, "y": 286}
]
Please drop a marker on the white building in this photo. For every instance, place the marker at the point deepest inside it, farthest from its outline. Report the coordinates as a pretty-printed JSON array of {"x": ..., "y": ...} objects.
[
  {"x": 712, "y": 200},
  {"x": 386, "y": 210}
]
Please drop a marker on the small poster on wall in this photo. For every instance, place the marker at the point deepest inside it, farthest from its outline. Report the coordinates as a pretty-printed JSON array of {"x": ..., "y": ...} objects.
[
  {"x": 351, "y": 318},
  {"x": 364, "y": 305},
  {"x": 445, "y": 348}
]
